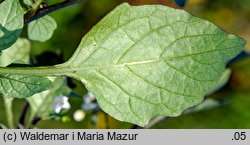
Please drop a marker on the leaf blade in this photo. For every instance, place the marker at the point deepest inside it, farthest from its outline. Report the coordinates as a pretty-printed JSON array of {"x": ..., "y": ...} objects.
[
  {"x": 19, "y": 51},
  {"x": 17, "y": 86},
  {"x": 42, "y": 29},
  {"x": 145, "y": 61},
  {"x": 11, "y": 23}
]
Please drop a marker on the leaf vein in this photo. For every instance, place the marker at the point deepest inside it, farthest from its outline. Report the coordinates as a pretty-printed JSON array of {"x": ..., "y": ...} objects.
[
  {"x": 159, "y": 87},
  {"x": 107, "y": 78},
  {"x": 177, "y": 70}
]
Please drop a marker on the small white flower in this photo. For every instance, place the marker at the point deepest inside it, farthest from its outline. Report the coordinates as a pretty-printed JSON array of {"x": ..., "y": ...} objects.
[{"x": 61, "y": 102}]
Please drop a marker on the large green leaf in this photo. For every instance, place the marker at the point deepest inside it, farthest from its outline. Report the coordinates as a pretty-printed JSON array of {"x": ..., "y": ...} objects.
[
  {"x": 42, "y": 29},
  {"x": 221, "y": 83},
  {"x": 145, "y": 61},
  {"x": 11, "y": 22}
]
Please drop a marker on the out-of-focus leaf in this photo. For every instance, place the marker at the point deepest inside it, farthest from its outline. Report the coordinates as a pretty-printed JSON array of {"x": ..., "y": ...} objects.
[
  {"x": 19, "y": 51},
  {"x": 28, "y": 2},
  {"x": 42, "y": 29}
]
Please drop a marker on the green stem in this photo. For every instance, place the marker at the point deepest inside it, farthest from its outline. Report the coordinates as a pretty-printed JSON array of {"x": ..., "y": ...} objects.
[
  {"x": 32, "y": 11},
  {"x": 31, "y": 117},
  {"x": 40, "y": 12},
  {"x": 9, "y": 113},
  {"x": 40, "y": 71}
]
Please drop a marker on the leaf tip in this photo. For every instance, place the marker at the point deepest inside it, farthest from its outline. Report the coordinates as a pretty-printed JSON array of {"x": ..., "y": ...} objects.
[{"x": 241, "y": 41}]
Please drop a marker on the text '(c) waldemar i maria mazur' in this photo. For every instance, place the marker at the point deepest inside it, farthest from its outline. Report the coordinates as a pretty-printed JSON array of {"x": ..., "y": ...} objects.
[{"x": 78, "y": 136}]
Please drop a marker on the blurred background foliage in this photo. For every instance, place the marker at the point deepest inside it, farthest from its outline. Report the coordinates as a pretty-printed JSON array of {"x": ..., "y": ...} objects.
[{"x": 231, "y": 104}]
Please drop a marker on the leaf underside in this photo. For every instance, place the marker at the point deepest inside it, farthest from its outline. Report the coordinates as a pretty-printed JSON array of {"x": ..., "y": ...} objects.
[
  {"x": 42, "y": 29},
  {"x": 145, "y": 61},
  {"x": 11, "y": 23},
  {"x": 19, "y": 86},
  {"x": 19, "y": 51}
]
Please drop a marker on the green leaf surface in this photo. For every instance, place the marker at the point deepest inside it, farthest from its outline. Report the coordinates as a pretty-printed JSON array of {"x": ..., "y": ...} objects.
[
  {"x": 221, "y": 83},
  {"x": 28, "y": 2},
  {"x": 42, "y": 29},
  {"x": 41, "y": 103},
  {"x": 145, "y": 61},
  {"x": 17, "y": 52},
  {"x": 21, "y": 86},
  {"x": 11, "y": 23}
]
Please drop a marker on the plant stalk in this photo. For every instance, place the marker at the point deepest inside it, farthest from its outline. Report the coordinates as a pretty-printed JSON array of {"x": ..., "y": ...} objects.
[
  {"x": 37, "y": 71},
  {"x": 49, "y": 9},
  {"x": 9, "y": 112}
]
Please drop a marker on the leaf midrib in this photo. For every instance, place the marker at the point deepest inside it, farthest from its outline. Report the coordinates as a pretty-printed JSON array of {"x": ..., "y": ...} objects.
[{"x": 79, "y": 68}]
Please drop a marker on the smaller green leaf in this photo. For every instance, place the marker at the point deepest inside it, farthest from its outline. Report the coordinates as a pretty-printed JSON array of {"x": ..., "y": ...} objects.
[
  {"x": 11, "y": 23},
  {"x": 19, "y": 51},
  {"x": 41, "y": 103},
  {"x": 28, "y": 2},
  {"x": 19, "y": 86},
  {"x": 42, "y": 29}
]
